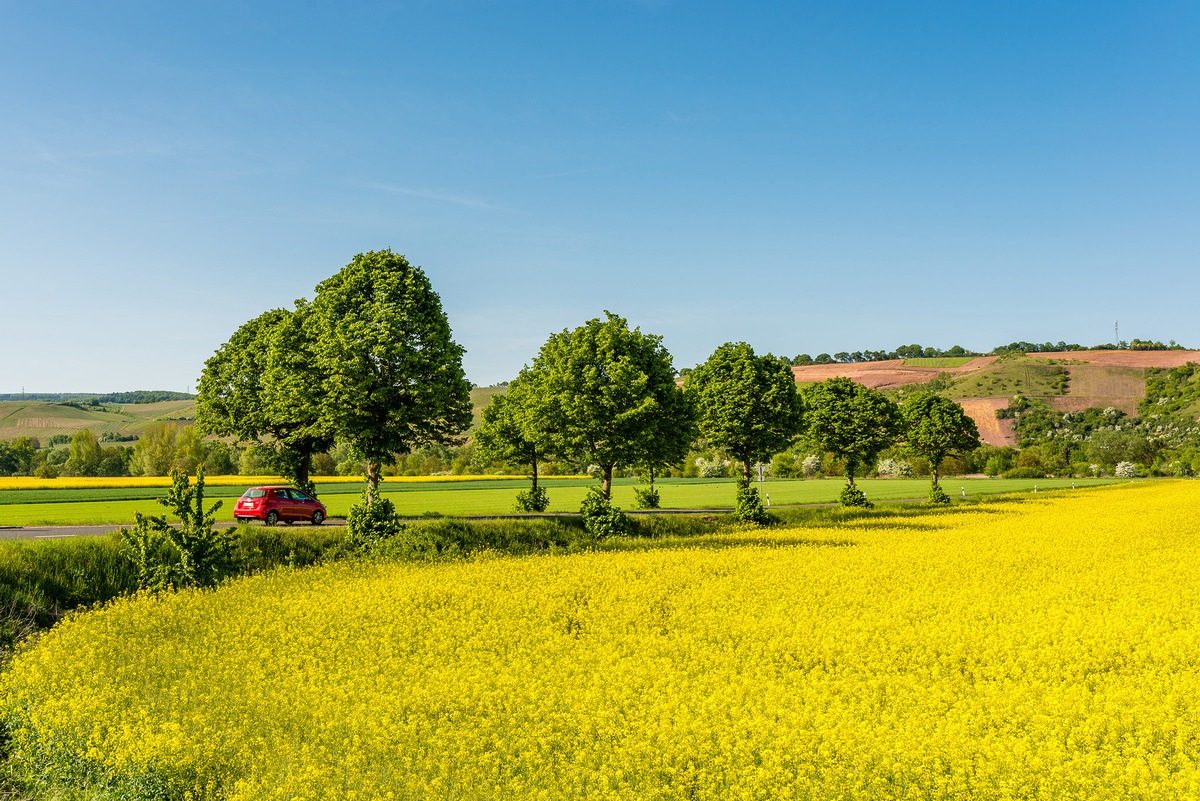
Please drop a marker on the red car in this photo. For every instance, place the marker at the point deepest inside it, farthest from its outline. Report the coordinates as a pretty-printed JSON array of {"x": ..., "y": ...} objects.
[{"x": 272, "y": 504}]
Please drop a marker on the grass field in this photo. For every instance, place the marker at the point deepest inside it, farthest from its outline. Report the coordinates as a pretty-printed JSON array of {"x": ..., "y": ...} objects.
[
  {"x": 1032, "y": 378},
  {"x": 948, "y": 362},
  {"x": 1037, "y": 648},
  {"x": 116, "y": 506}
]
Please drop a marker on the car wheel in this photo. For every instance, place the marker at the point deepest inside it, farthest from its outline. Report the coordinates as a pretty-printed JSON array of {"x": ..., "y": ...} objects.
[
  {"x": 318, "y": 517},
  {"x": 272, "y": 517}
]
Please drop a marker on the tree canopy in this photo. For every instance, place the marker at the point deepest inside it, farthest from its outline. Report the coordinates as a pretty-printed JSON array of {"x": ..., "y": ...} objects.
[
  {"x": 264, "y": 385},
  {"x": 851, "y": 421},
  {"x": 936, "y": 427},
  {"x": 747, "y": 405},
  {"x": 394, "y": 375},
  {"x": 608, "y": 396}
]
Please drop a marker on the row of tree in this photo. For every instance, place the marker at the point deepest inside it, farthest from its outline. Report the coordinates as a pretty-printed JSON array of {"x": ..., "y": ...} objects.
[
  {"x": 605, "y": 394},
  {"x": 370, "y": 363},
  {"x": 918, "y": 352}
]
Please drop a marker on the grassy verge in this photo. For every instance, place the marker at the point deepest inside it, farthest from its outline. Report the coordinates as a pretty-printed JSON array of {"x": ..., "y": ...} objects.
[{"x": 80, "y": 507}]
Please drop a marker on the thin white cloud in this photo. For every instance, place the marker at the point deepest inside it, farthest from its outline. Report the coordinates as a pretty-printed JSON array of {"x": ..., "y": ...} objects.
[{"x": 426, "y": 194}]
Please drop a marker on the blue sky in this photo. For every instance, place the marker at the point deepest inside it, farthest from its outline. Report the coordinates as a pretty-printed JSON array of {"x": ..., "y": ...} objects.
[{"x": 806, "y": 177}]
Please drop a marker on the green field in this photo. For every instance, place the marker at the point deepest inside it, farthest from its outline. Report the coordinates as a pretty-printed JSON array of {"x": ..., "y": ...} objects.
[
  {"x": 948, "y": 362},
  {"x": 116, "y": 507},
  {"x": 1032, "y": 378}
]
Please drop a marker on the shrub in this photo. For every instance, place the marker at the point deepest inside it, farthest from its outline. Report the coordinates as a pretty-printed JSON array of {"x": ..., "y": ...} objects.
[
  {"x": 893, "y": 467},
  {"x": 533, "y": 500},
  {"x": 749, "y": 507},
  {"x": 854, "y": 497},
  {"x": 646, "y": 498},
  {"x": 1125, "y": 470},
  {"x": 1025, "y": 472},
  {"x": 372, "y": 520},
  {"x": 938, "y": 495},
  {"x": 811, "y": 464},
  {"x": 190, "y": 554},
  {"x": 601, "y": 519}
]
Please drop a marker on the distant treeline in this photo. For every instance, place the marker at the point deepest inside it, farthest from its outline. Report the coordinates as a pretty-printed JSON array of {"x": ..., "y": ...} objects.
[
  {"x": 919, "y": 352},
  {"x": 89, "y": 399}
]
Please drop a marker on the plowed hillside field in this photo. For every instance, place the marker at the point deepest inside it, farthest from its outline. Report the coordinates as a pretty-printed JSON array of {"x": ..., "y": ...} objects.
[
  {"x": 1126, "y": 358},
  {"x": 991, "y": 430},
  {"x": 893, "y": 373}
]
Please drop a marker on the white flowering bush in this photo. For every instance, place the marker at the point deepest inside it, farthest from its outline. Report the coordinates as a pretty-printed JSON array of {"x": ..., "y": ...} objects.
[
  {"x": 811, "y": 464},
  {"x": 712, "y": 468},
  {"x": 893, "y": 467},
  {"x": 1125, "y": 470}
]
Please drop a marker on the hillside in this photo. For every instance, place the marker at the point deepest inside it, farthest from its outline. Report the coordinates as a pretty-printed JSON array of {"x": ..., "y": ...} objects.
[
  {"x": 1068, "y": 381},
  {"x": 43, "y": 419}
]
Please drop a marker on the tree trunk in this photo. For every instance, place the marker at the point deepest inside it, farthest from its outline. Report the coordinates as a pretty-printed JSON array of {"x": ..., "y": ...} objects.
[
  {"x": 534, "y": 473},
  {"x": 606, "y": 487},
  {"x": 934, "y": 473},
  {"x": 373, "y": 470},
  {"x": 746, "y": 477},
  {"x": 303, "y": 469},
  {"x": 850, "y": 468}
]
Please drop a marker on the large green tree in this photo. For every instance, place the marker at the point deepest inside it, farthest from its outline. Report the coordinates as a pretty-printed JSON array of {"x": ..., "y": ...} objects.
[
  {"x": 746, "y": 405},
  {"x": 265, "y": 386},
  {"x": 512, "y": 433},
  {"x": 607, "y": 395},
  {"x": 852, "y": 422},
  {"x": 935, "y": 427},
  {"x": 394, "y": 375}
]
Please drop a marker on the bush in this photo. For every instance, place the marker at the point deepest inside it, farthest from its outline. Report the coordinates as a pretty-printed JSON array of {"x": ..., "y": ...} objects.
[
  {"x": 854, "y": 497},
  {"x": 1025, "y": 472},
  {"x": 938, "y": 495},
  {"x": 601, "y": 519},
  {"x": 190, "y": 554},
  {"x": 370, "y": 521},
  {"x": 749, "y": 507},
  {"x": 532, "y": 500},
  {"x": 1125, "y": 470},
  {"x": 646, "y": 498}
]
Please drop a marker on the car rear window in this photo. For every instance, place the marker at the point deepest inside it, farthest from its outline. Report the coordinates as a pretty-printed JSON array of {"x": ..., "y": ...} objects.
[{"x": 254, "y": 493}]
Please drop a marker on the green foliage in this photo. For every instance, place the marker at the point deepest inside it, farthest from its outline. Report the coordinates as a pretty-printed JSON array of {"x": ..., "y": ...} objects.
[
  {"x": 395, "y": 379},
  {"x": 512, "y": 433},
  {"x": 264, "y": 387},
  {"x": 372, "y": 519},
  {"x": 646, "y": 498},
  {"x": 607, "y": 396},
  {"x": 601, "y": 519},
  {"x": 852, "y": 496},
  {"x": 746, "y": 405},
  {"x": 938, "y": 496},
  {"x": 533, "y": 500},
  {"x": 935, "y": 427},
  {"x": 190, "y": 554},
  {"x": 852, "y": 422},
  {"x": 1171, "y": 392},
  {"x": 749, "y": 507}
]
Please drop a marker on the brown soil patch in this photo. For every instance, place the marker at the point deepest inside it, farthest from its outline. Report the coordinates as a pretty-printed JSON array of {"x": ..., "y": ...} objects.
[
  {"x": 1105, "y": 381},
  {"x": 1126, "y": 358},
  {"x": 1077, "y": 403},
  {"x": 891, "y": 373},
  {"x": 991, "y": 430}
]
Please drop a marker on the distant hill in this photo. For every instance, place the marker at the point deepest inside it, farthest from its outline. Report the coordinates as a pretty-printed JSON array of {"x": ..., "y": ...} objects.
[
  {"x": 1067, "y": 380},
  {"x": 116, "y": 415},
  {"x": 44, "y": 419},
  {"x": 137, "y": 396}
]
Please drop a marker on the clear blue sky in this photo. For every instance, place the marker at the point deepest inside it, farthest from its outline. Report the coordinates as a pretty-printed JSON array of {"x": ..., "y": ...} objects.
[{"x": 806, "y": 177}]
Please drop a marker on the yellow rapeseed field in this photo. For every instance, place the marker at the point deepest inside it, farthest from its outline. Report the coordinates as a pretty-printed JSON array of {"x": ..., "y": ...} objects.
[{"x": 1044, "y": 648}]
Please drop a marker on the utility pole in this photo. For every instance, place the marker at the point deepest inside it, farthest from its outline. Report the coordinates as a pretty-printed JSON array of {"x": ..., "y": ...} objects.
[{"x": 1116, "y": 332}]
